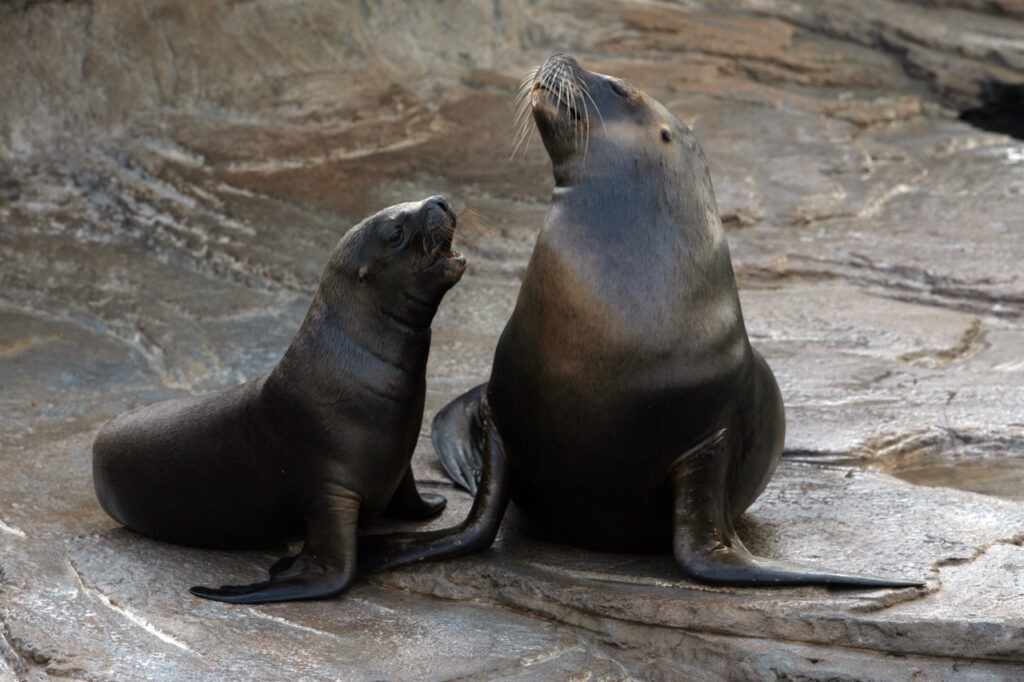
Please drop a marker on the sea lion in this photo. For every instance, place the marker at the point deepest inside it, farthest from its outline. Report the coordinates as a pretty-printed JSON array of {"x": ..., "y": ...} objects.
[
  {"x": 320, "y": 442},
  {"x": 626, "y": 409}
]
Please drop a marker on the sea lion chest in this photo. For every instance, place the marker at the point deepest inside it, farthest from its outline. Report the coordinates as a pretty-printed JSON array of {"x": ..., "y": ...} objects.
[
  {"x": 353, "y": 412},
  {"x": 626, "y": 347}
]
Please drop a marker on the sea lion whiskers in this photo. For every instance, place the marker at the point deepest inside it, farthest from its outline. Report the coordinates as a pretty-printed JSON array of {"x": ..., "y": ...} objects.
[
  {"x": 523, "y": 134},
  {"x": 560, "y": 97},
  {"x": 571, "y": 93},
  {"x": 585, "y": 89},
  {"x": 472, "y": 222},
  {"x": 564, "y": 85},
  {"x": 565, "y": 96},
  {"x": 584, "y": 95},
  {"x": 437, "y": 237},
  {"x": 567, "y": 92},
  {"x": 567, "y": 89},
  {"x": 523, "y": 125}
]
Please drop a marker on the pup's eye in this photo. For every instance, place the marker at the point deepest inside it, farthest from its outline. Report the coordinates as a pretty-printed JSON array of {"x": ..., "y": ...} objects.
[
  {"x": 395, "y": 238},
  {"x": 620, "y": 88},
  {"x": 666, "y": 135}
]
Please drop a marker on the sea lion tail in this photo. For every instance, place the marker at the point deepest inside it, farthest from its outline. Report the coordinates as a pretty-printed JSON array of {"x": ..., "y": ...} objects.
[
  {"x": 705, "y": 543},
  {"x": 457, "y": 433}
]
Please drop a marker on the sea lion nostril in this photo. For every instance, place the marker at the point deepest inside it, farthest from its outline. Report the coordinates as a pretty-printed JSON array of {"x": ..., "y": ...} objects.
[
  {"x": 620, "y": 88},
  {"x": 441, "y": 203},
  {"x": 560, "y": 58}
]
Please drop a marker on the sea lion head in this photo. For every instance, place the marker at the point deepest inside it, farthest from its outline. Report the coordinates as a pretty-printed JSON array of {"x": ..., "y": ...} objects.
[
  {"x": 595, "y": 125},
  {"x": 399, "y": 259}
]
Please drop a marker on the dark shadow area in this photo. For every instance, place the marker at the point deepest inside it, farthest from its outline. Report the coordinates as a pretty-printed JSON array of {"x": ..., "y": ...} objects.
[{"x": 1002, "y": 111}]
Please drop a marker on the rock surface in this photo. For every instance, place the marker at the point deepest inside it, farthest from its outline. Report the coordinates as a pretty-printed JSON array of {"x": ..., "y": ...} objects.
[{"x": 172, "y": 174}]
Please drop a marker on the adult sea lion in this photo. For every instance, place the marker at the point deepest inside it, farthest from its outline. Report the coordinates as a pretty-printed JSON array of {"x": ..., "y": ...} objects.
[
  {"x": 322, "y": 441},
  {"x": 626, "y": 409}
]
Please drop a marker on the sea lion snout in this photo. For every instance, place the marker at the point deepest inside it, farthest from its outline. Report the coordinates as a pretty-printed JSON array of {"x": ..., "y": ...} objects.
[
  {"x": 438, "y": 201},
  {"x": 439, "y": 229},
  {"x": 557, "y": 89},
  {"x": 438, "y": 225},
  {"x": 561, "y": 60}
]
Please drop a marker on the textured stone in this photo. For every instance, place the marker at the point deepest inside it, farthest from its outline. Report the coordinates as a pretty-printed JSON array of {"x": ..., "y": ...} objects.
[{"x": 172, "y": 176}]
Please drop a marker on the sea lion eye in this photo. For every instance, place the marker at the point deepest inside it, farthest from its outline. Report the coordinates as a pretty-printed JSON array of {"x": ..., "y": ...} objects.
[
  {"x": 619, "y": 87},
  {"x": 666, "y": 134},
  {"x": 395, "y": 239}
]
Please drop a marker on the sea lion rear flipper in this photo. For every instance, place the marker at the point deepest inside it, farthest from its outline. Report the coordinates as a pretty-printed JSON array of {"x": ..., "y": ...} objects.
[
  {"x": 456, "y": 433},
  {"x": 477, "y": 532},
  {"x": 325, "y": 567},
  {"x": 706, "y": 545}
]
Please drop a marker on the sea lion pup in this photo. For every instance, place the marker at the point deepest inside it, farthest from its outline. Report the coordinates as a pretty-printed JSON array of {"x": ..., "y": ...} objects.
[
  {"x": 322, "y": 441},
  {"x": 626, "y": 409}
]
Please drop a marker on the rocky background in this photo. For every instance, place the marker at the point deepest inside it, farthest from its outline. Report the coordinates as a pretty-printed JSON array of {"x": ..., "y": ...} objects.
[{"x": 173, "y": 174}]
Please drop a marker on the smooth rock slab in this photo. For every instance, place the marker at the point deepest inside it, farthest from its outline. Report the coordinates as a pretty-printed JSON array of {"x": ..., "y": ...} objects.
[
  {"x": 115, "y": 605},
  {"x": 116, "y": 608},
  {"x": 968, "y": 547}
]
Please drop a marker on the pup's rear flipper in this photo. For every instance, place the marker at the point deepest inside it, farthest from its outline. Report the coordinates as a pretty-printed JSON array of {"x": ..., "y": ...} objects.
[
  {"x": 706, "y": 545},
  {"x": 457, "y": 432}
]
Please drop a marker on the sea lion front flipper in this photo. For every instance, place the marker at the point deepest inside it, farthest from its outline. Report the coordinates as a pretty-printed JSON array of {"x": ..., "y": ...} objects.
[
  {"x": 706, "y": 545},
  {"x": 409, "y": 504},
  {"x": 457, "y": 433},
  {"x": 325, "y": 567},
  {"x": 477, "y": 532}
]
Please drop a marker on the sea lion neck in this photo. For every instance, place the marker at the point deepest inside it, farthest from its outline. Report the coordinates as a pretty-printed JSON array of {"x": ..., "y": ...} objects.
[
  {"x": 637, "y": 215},
  {"x": 409, "y": 314},
  {"x": 568, "y": 173},
  {"x": 397, "y": 325},
  {"x": 357, "y": 326}
]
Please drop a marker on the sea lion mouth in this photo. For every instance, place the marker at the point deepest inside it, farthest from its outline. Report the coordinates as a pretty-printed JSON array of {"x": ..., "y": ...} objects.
[
  {"x": 444, "y": 250},
  {"x": 557, "y": 84},
  {"x": 438, "y": 237},
  {"x": 544, "y": 96}
]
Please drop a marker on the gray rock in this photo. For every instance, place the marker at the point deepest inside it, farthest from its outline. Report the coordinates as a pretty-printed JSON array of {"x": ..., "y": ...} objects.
[{"x": 171, "y": 177}]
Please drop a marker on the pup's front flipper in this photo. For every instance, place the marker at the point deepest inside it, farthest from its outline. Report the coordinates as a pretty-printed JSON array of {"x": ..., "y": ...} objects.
[
  {"x": 409, "y": 504},
  {"x": 325, "y": 567},
  {"x": 706, "y": 545}
]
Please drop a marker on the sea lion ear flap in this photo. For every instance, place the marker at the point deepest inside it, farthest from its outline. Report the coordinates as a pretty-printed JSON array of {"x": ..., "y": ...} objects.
[{"x": 364, "y": 275}]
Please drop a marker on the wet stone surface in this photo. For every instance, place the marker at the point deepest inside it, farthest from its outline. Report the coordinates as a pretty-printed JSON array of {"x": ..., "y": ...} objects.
[{"x": 172, "y": 178}]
